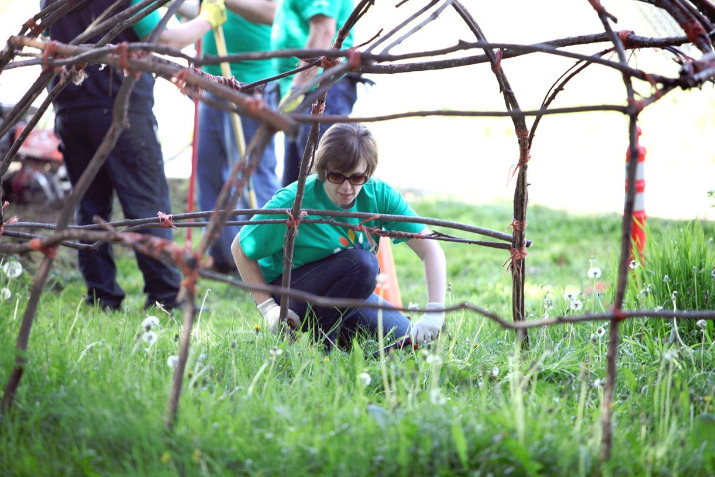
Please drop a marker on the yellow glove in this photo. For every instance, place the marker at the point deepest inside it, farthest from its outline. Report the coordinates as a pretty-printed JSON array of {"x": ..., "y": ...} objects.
[
  {"x": 289, "y": 102},
  {"x": 214, "y": 12}
]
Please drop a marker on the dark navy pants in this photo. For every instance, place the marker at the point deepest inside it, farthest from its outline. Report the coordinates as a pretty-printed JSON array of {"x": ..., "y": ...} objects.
[
  {"x": 217, "y": 152},
  {"x": 339, "y": 102},
  {"x": 135, "y": 171},
  {"x": 351, "y": 273}
]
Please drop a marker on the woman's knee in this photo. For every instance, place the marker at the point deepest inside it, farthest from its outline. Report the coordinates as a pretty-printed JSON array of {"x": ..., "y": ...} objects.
[{"x": 362, "y": 263}]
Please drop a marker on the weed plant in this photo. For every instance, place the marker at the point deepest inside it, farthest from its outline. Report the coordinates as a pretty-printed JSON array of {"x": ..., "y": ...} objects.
[
  {"x": 94, "y": 394},
  {"x": 675, "y": 272}
]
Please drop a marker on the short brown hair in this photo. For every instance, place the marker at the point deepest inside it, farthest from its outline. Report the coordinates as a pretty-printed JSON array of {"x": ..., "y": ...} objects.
[{"x": 342, "y": 147}]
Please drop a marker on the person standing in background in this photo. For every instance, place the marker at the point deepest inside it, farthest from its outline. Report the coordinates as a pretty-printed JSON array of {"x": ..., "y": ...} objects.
[
  {"x": 247, "y": 29},
  {"x": 135, "y": 168},
  {"x": 310, "y": 24}
]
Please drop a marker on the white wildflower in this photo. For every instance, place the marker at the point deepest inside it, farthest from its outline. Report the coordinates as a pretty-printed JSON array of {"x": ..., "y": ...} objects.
[
  {"x": 576, "y": 305},
  {"x": 150, "y": 323},
  {"x": 365, "y": 379},
  {"x": 5, "y": 293},
  {"x": 275, "y": 352},
  {"x": 172, "y": 361},
  {"x": 594, "y": 272},
  {"x": 670, "y": 355},
  {"x": 436, "y": 397},
  {"x": 494, "y": 372},
  {"x": 12, "y": 269},
  {"x": 150, "y": 337},
  {"x": 702, "y": 324}
]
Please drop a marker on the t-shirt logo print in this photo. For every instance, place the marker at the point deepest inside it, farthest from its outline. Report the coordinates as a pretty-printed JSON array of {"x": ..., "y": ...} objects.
[{"x": 353, "y": 241}]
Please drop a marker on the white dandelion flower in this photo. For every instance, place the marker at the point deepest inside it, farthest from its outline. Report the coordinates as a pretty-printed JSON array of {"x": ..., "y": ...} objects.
[
  {"x": 365, "y": 379},
  {"x": 12, "y": 269},
  {"x": 594, "y": 272},
  {"x": 150, "y": 323},
  {"x": 436, "y": 397},
  {"x": 150, "y": 337},
  {"x": 5, "y": 293},
  {"x": 172, "y": 361}
]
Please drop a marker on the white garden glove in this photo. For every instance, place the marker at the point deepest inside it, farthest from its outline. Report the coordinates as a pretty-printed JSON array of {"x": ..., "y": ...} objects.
[
  {"x": 427, "y": 328},
  {"x": 271, "y": 312}
]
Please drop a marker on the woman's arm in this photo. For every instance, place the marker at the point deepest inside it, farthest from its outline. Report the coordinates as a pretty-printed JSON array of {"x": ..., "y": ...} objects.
[
  {"x": 435, "y": 265},
  {"x": 249, "y": 270}
]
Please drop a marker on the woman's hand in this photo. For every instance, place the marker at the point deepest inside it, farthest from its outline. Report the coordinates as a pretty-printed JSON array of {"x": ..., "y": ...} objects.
[
  {"x": 271, "y": 312},
  {"x": 427, "y": 328}
]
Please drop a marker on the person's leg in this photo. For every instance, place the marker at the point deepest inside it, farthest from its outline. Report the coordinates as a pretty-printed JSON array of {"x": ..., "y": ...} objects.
[
  {"x": 216, "y": 152},
  {"x": 136, "y": 168},
  {"x": 80, "y": 134},
  {"x": 339, "y": 102},
  {"x": 351, "y": 273},
  {"x": 395, "y": 325},
  {"x": 264, "y": 178}
]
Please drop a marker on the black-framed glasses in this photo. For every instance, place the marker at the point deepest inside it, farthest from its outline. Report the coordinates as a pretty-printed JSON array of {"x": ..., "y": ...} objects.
[{"x": 355, "y": 179}]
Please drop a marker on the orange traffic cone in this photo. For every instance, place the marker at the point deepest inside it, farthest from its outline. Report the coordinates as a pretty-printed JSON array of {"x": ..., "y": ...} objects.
[{"x": 387, "y": 286}]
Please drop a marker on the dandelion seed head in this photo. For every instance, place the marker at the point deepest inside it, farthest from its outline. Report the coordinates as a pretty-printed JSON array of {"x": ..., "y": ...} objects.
[
  {"x": 413, "y": 306},
  {"x": 436, "y": 397},
  {"x": 172, "y": 361},
  {"x": 13, "y": 269},
  {"x": 633, "y": 265},
  {"x": 666, "y": 278},
  {"x": 275, "y": 352},
  {"x": 425, "y": 354},
  {"x": 494, "y": 372},
  {"x": 434, "y": 359},
  {"x": 548, "y": 304},
  {"x": 150, "y": 337},
  {"x": 600, "y": 331},
  {"x": 712, "y": 273},
  {"x": 702, "y": 324},
  {"x": 576, "y": 305},
  {"x": 598, "y": 383},
  {"x": 594, "y": 338},
  {"x": 658, "y": 308},
  {"x": 670, "y": 355},
  {"x": 150, "y": 323},
  {"x": 365, "y": 379},
  {"x": 594, "y": 272},
  {"x": 5, "y": 293}
]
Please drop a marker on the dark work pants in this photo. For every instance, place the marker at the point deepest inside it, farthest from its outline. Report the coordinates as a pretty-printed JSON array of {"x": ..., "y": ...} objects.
[
  {"x": 135, "y": 171},
  {"x": 339, "y": 102},
  {"x": 351, "y": 273}
]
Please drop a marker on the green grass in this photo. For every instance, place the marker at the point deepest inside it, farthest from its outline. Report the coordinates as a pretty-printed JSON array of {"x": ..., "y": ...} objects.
[{"x": 94, "y": 394}]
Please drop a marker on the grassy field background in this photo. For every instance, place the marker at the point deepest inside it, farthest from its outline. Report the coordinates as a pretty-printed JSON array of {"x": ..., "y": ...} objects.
[{"x": 94, "y": 396}]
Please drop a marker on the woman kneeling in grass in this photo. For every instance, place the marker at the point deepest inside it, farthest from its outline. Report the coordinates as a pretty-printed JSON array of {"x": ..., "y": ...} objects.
[{"x": 338, "y": 262}]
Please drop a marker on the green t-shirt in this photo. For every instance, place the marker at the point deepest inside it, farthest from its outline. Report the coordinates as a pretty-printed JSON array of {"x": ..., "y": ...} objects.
[
  {"x": 241, "y": 36},
  {"x": 291, "y": 26},
  {"x": 264, "y": 242},
  {"x": 144, "y": 26}
]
